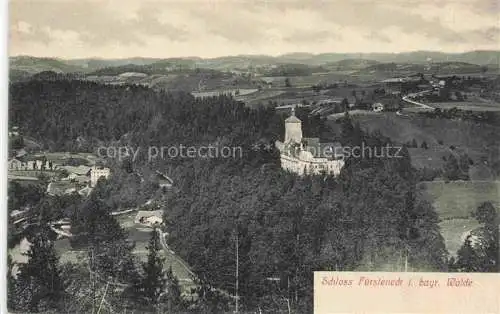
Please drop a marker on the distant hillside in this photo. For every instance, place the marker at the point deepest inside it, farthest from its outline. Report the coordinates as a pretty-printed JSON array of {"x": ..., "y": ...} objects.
[
  {"x": 34, "y": 65},
  {"x": 163, "y": 67},
  {"x": 18, "y": 75},
  {"x": 435, "y": 68},
  {"x": 421, "y": 57},
  {"x": 350, "y": 64},
  {"x": 340, "y": 61},
  {"x": 93, "y": 64},
  {"x": 292, "y": 69},
  {"x": 237, "y": 62}
]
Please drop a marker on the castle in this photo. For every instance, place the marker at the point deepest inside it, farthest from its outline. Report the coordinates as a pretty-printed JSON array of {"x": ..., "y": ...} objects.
[
  {"x": 302, "y": 155},
  {"x": 96, "y": 173}
]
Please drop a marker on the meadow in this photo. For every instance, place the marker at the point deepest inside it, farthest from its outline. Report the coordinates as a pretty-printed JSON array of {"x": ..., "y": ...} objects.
[
  {"x": 454, "y": 202},
  {"x": 478, "y": 141},
  {"x": 455, "y": 231},
  {"x": 467, "y": 105},
  {"x": 458, "y": 199},
  {"x": 337, "y": 116}
]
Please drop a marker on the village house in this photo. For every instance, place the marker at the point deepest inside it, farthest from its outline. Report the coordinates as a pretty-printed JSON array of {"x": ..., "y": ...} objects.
[
  {"x": 149, "y": 218},
  {"x": 307, "y": 155}
]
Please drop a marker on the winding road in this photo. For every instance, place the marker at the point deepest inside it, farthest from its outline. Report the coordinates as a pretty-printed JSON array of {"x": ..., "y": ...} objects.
[{"x": 421, "y": 105}]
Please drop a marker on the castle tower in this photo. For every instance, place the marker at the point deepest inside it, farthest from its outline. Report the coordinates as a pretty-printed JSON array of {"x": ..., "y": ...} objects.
[{"x": 293, "y": 129}]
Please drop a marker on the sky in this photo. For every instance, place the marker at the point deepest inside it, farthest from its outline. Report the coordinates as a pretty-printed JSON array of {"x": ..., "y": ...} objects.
[{"x": 212, "y": 28}]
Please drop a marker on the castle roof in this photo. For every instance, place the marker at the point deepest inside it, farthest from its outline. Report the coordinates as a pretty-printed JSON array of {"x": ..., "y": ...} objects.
[
  {"x": 292, "y": 118},
  {"x": 321, "y": 150}
]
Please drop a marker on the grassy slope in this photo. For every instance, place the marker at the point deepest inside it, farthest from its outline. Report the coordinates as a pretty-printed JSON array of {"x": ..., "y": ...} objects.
[
  {"x": 459, "y": 198},
  {"x": 477, "y": 140},
  {"x": 454, "y": 232},
  {"x": 34, "y": 65},
  {"x": 454, "y": 202}
]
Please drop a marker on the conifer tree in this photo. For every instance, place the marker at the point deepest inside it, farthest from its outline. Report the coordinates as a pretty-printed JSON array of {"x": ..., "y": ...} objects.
[
  {"x": 40, "y": 284},
  {"x": 11, "y": 285},
  {"x": 174, "y": 299},
  {"x": 152, "y": 284}
]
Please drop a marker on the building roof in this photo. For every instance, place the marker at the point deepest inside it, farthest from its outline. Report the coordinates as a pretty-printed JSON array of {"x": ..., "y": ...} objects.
[
  {"x": 20, "y": 153},
  {"x": 80, "y": 170},
  {"x": 393, "y": 80},
  {"x": 321, "y": 150},
  {"x": 14, "y": 160},
  {"x": 163, "y": 179},
  {"x": 59, "y": 188},
  {"x": 148, "y": 213},
  {"x": 292, "y": 118},
  {"x": 85, "y": 191}
]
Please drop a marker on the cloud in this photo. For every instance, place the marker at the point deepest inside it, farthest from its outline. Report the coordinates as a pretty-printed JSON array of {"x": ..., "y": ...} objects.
[
  {"x": 73, "y": 28},
  {"x": 97, "y": 23}
]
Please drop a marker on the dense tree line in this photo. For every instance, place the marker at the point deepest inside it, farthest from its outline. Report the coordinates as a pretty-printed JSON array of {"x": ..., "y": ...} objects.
[
  {"x": 489, "y": 117},
  {"x": 80, "y": 115},
  {"x": 480, "y": 250},
  {"x": 370, "y": 218},
  {"x": 284, "y": 227}
]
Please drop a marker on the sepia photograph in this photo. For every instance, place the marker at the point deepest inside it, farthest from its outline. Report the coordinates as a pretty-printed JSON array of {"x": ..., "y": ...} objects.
[{"x": 234, "y": 156}]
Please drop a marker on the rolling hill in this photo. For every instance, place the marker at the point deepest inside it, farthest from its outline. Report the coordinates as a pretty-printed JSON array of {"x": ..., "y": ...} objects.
[{"x": 34, "y": 64}]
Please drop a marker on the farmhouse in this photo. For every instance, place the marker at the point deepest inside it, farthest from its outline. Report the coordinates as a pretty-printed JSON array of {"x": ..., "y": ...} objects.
[
  {"x": 307, "y": 155},
  {"x": 149, "y": 217}
]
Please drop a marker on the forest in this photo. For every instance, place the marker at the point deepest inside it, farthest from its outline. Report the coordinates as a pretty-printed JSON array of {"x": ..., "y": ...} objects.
[{"x": 223, "y": 214}]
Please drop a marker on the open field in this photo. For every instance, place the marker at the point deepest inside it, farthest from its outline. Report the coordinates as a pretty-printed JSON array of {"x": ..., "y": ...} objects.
[
  {"x": 294, "y": 95},
  {"x": 476, "y": 140},
  {"x": 259, "y": 97},
  {"x": 242, "y": 92},
  {"x": 454, "y": 232},
  {"x": 430, "y": 158},
  {"x": 32, "y": 173},
  {"x": 458, "y": 199},
  {"x": 409, "y": 108},
  {"x": 20, "y": 179},
  {"x": 340, "y": 115},
  {"x": 467, "y": 105},
  {"x": 454, "y": 202},
  {"x": 24, "y": 181}
]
